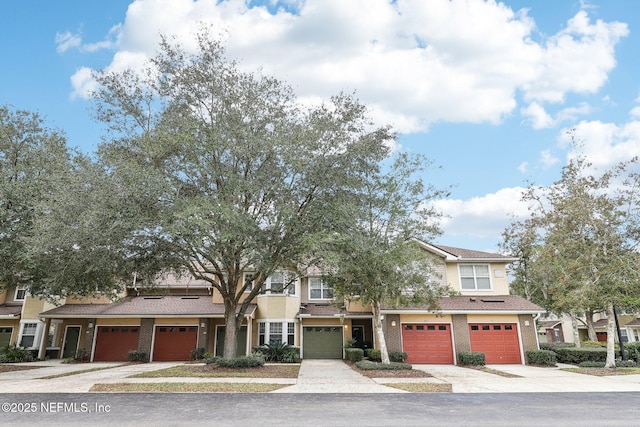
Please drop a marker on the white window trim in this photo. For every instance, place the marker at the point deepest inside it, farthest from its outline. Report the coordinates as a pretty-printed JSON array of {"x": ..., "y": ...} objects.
[
  {"x": 285, "y": 329},
  {"x": 323, "y": 288},
  {"x": 475, "y": 278},
  {"x": 38, "y": 333},
  {"x": 18, "y": 289},
  {"x": 291, "y": 290},
  {"x": 244, "y": 281}
]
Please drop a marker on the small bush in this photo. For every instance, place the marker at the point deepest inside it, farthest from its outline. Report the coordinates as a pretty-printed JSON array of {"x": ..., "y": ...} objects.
[
  {"x": 354, "y": 354},
  {"x": 541, "y": 357},
  {"x": 82, "y": 355},
  {"x": 374, "y": 355},
  {"x": 197, "y": 353},
  {"x": 471, "y": 358},
  {"x": 588, "y": 343},
  {"x": 349, "y": 342},
  {"x": 632, "y": 350},
  {"x": 14, "y": 354},
  {"x": 626, "y": 363},
  {"x": 241, "y": 362},
  {"x": 137, "y": 356},
  {"x": 590, "y": 364},
  {"x": 211, "y": 360},
  {"x": 398, "y": 356},
  {"x": 553, "y": 346},
  {"x": 367, "y": 365},
  {"x": 577, "y": 355}
]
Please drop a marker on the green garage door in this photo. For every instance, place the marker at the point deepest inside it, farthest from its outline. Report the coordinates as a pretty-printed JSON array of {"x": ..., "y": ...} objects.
[
  {"x": 5, "y": 335},
  {"x": 322, "y": 342}
]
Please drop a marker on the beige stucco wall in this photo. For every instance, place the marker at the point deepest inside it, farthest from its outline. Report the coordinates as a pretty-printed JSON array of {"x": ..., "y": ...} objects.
[
  {"x": 15, "y": 324},
  {"x": 118, "y": 321},
  {"x": 425, "y": 318},
  {"x": 500, "y": 285},
  {"x": 177, "y": 321},
  {"x": 278, "y": 306},
  {"x": 32, "y": 307},
  {"x": 492, "y": 318}
]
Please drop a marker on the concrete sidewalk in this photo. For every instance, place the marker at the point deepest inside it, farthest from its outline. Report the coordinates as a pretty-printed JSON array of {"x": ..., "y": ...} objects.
[{"x": 323, "y": 376}]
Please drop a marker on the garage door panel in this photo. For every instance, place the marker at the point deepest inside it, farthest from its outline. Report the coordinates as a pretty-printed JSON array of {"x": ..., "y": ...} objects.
[
  {"x": 113, "y": 343},
  {"x": 174, "y": 343},
  {"x": 499, "y": 342},
  {"x": 322, "y": 342},
  {"x": 427, "y": 343}
]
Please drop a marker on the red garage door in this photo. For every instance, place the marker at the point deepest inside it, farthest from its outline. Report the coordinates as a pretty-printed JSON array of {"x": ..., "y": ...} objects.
[
  {"x": 499, "y": 342},
  {"x": 113, "y": 343},
  {"x": 173, "y": 343},
  {"x": 427, "y": 343}
]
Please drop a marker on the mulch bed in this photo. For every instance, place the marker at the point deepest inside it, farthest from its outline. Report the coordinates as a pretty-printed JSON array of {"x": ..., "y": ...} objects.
[
  {"x": 266, "y": 371},
  {"x": 12, "y": 368},
  {"x": 388, "y": 373}
]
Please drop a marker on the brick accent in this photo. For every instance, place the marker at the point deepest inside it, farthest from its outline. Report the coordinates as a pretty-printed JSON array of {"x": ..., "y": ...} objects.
[
  {"x": 392, "y": 334},
  {"x": 88, "y": 339},
  {"x": 461, "y": 333},
  {"x": 203, "y": 334},
  {"x": 146, "y": 335},
  {"x": 529, "y": 333}
]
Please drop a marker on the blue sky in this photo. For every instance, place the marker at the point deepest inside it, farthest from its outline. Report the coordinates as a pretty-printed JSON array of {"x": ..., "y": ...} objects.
[{"x": 485, "y": 89}]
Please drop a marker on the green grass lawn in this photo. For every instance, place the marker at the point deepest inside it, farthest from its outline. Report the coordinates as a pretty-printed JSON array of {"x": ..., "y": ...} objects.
[
  {"x": 602, "y": 372},
  {"x": 186, "y": 388},
  {"x": 206, "y": 371}
]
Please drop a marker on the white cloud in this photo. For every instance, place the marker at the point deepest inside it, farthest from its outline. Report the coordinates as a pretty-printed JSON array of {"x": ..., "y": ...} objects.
[
  {"x": 66, "y": 41},
  {"x": 482, "y": 217},
  {"x": 523, "y": 167},
  {"x": 537, "y": 116},
  {"x": 415, "y": 62},
  {"x": 547, "y": 159},
  {"x": 83, "y": 83}
]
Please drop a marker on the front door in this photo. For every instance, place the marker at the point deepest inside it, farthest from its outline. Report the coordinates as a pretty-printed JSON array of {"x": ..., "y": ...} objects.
[
  {"x": 5, "y": 335},
  {"x": 357, "y": 333},
  {"x": 241, "y": 344},
  {"x": 71, "y": 338}
]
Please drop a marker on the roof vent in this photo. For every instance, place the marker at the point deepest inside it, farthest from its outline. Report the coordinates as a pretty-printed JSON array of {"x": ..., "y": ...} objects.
[
  {"x": 492, "y": 300},
  {"x": 152, "y": 297},
  {"x": 472, "y": 299},
  {"x": 191, "y": 297}
]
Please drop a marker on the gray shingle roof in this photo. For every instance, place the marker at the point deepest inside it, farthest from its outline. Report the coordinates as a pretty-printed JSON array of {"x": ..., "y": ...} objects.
[
  {"x": 324, "y": 310},
  {"x": 471, "y": 254},
  {"x": 164, "y": 306},
  {"x": 10, "y": 310}
]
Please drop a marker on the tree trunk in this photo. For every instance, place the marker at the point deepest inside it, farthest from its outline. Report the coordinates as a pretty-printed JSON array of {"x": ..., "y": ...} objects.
[
  {"x": 377, "y": 325},
  {"x": 611, "y": 337},
  {"x": 590, "y": 328},
  {"x": 574, "y": 326},
  {"x": 231, "y": 334}
]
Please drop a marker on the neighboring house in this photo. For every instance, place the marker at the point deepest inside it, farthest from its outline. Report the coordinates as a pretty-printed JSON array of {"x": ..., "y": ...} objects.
[
  {"x": 180, "y": 314},
  {"x": 20, "y": 323},
  {"x": 554, "y": 329}
]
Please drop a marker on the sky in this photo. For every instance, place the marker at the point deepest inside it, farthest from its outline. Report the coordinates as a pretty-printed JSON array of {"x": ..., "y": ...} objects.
[{"x": 487, "y": 90}]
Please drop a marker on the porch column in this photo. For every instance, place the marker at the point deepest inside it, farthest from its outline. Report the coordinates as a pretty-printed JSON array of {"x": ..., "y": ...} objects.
[{"x": 43, "y": 340}]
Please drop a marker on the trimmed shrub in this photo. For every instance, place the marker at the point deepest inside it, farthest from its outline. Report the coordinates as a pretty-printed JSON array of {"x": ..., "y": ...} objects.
[
  {"x": 541, "y": 357},
  {"x": 137, "y": 356},
  {"x": 588, "y": 343},
  {"x": 241, "y": 362},
  {"x": 577, "y": 355},
  {"x": 374, "y": 354},
  {"x": 471, "y": 358},
  {"x": 197, "y": 353},
  {"x": 589, "y": 364},
  {"x": 14, "y": 354},
  {"x": 553, "y": 346},
  {"x": 354, "y": 354},
  {"x": 632, "y": 350},
  {"x": 398, "y": 356},
  {"x": 367, "y": 365},
  {"x": 626, "y": 363},
  {"x": 211, "y": 360}
]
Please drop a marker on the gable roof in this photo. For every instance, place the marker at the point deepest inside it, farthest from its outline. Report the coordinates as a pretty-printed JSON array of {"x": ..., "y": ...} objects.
[
  {"x": 450, "y": 253},
  {"x": 148, "y": 306}
]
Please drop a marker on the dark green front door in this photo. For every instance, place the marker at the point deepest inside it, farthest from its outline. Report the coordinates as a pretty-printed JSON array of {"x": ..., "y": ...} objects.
[
  {"x": 71, "y": 337},
  {"x": 322, "y": 342},
  {"x": 241, "y": 345},
  {"x": 5, "y": 335}
]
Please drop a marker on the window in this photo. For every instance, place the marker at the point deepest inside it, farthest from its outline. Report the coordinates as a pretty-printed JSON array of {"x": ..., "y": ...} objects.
[
  {"x": 281, "y": 282},
  {"x": 319, "y": 290},
  {"x": 248, "y": 281},
  {"x": 21, "y": 293},
  {"x": 474, "y": 277},
  {"x": 28, "y": 334},
  {"x": 272, "y": 332},
  {"x": 624, "y": 335}
]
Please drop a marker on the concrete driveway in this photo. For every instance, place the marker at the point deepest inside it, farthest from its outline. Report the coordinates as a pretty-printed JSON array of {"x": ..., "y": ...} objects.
[{"x": 324, "y": 376}]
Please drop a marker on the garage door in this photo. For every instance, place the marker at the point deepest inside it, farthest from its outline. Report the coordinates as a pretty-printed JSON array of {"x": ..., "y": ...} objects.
[
  {"x": 427, "y": 343},
  {"x": 113, "y": 343},
  {"x": 5, "y": 335},
  {"x": 322, "y": 342},
  {"x": 174, "y": 343},
  {"x": 499, "y": 342}
]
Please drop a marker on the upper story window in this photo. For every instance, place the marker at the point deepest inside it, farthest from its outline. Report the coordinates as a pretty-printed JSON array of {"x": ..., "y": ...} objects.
[
  {"x": 248, "y": 281},
  {"x": 319, "y": 290},
  {"x": 475, "y": 277},
  {"x": 281, "y": 282},
  {"x": 21, "y": 293}
]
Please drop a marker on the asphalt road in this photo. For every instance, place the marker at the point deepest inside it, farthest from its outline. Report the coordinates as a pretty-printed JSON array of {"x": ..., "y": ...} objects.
[{"x": 224, "y": 409}]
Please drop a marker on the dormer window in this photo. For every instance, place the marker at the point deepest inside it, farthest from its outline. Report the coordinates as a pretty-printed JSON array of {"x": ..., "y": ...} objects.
[{"x": 475, "y": 277}]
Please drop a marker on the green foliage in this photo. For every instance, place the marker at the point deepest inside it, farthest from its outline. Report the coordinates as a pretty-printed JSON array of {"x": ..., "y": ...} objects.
[
  {"x": 471, "y": 358},
  {"x": 593, "y": 343},
  {"x": 591, "y": 364},
  {"x": 137, "y": 356},
  {"x": 576, "y": 355},
  {"x": 354, "y": 354},
  {"x": 241, "y": 362},
  {"x": 552, "y": 346},
  {"x": 279, "y": 352},
  {"x": 349, "y": 342},
  {"x": 212, "y": 360},
  {"x": 367, "y": 365},
  {"x": 197, "y": 353},
  {"x": 633, "y": 350},
  {"x": 82, "y": 355},
  {"x": 14, "y": 354},
  {"x": 626, "y": 363},
  {"x": 398, "y": 356},
  {"x": 541, "y": 357},
  {"x": 374, "y": 354}
]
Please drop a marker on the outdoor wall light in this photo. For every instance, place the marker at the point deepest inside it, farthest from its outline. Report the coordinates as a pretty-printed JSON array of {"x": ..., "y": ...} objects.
[{"x": 393, "y": 323}]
